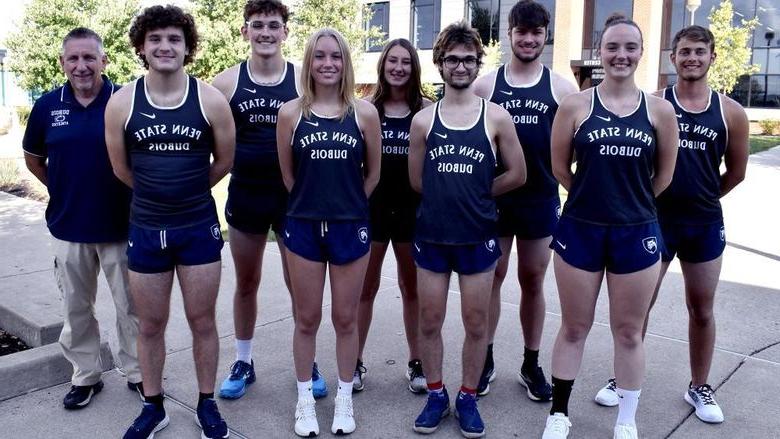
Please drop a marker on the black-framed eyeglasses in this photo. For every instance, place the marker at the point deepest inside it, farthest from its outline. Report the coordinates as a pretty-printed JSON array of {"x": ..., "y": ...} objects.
[
  {"x": 452, "y": 62},
  {"x": 260, "y": 25}
]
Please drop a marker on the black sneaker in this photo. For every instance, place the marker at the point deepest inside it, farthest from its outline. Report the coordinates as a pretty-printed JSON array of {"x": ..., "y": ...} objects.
[
  {"x": 488, "y": 376},
  {"x": 538, "y": 389},
  {"x": 210, "y": 421},
  {"x": 358, "y": 376},
  {"x": 137, "y": 387},
  {"x": 416, "y": 377},
  {"x": 80, "y": 396},
  {"x": 151, "y": 420}
]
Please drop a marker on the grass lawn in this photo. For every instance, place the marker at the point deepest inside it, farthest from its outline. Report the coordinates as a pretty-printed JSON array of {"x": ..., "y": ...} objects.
[{"x": 762, "y": 143}]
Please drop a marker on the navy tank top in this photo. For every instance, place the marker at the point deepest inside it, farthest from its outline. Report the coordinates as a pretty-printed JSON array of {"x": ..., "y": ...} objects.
[
  {"x": 615, "y": 163},
  {"x": 533, "y": 109},
  {"x": 457, "y": 206},
  {"x": 170, "y": 150},
  {"x": 328, "y": 155},
  {"x": 394, "y": 190},
  {"x": 255, "y": 107},
  {"x": 693, "y": 197}
]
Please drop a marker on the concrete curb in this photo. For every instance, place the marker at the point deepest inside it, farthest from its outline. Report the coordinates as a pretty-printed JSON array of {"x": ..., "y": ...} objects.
[
  {"x": 38, "y": 368},
  {"x": 35, "y": 332}
]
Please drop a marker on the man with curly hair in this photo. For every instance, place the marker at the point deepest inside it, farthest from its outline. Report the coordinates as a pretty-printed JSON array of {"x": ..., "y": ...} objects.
[{"x": 171, "y": 137}]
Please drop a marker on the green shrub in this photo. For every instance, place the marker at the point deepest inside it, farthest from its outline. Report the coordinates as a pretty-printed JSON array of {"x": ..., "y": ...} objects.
[
  {"x": 769, "y": 126},
  {"x": 23, "y": 112}
]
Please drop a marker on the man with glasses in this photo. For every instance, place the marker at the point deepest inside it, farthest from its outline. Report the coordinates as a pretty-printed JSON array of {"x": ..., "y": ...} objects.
[
  {"x": 452, "y": 158},
  {"x": 257, "y": 198}
]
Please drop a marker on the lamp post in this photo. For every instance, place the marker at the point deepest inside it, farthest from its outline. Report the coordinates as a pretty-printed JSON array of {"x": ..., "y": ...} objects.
[
  {"x": 692, "y": 6},
  {"x": 2, "y": 72}
]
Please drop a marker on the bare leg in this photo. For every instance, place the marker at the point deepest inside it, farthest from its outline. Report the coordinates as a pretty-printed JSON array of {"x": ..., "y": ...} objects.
[
  {"x": 474, "y": 309},
  {"x": 308, "y": 281},
  {"x": 370, "y": 289},
  {"x": 701, "y": 280},
  {"x": 199, "y": 287},
  {"x": 151, "y": 298},
  {"x": 346, "y": 283},
  {"x": 407, "y": 282},
  {"x": 494, "y": 310},
  {"x": 247, "y": 250},
  {"x": 661, "y": 275},
  {"x": 533, "y": 257},
  {"x": 432, "y": 293}
]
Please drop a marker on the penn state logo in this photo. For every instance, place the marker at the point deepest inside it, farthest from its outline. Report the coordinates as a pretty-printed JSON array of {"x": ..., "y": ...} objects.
[
  {"x": 650, "y": 244},
  {"x": 722, "y": 233},
  {"x": 215, "y": 231},
  {"x": 363, "y": 234},
  {"x": 490, "y": 245}
]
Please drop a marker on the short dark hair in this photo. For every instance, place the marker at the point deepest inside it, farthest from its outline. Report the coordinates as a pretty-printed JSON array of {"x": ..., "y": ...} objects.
[
  {"x": 454, "y": 34},
  {"x": 266, "y": 7},
  {"x": 83, "y": 32},
  {"x": 695, "y": 33},
  {"x": 615, "y": 19},
  {"x": 158, "y": 17},
  {"x": 528, "y": 14}
]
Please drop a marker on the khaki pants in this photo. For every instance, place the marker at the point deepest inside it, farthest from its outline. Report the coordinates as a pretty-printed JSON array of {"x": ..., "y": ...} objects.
[{"x": 76, "y": 268}]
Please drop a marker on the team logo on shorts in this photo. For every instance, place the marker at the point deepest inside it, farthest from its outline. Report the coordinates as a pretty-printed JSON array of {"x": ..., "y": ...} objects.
[
  {"x": 722, "y": 233},
  {"x": 650, "y": 244},
  {"x": 215, "y": 232},
  {"x": 490, "y": 245},
  {"x": 363, "y": 234}
]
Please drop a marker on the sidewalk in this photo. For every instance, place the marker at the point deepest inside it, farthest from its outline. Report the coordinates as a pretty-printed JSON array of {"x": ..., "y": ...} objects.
[{"x": 745, "y": 366}]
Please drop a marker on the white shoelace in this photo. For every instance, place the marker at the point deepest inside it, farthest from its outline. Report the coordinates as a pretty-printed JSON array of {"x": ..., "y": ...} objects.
[
  {"x": 343, "y": 406},
  {"x": 559, "y": 425},
  {"x": 305, "y": 410}
]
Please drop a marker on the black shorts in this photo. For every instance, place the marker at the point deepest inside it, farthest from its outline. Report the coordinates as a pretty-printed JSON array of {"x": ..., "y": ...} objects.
[
  {"x": 256, "y": 208},
  {"x": 392, "y": 224},
  {"x": 529, "y": 221}
]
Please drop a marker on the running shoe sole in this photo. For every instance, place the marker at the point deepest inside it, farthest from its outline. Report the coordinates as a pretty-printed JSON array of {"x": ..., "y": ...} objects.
[
  {"x": 429, "y": 430},
  {"x": 164, "y": 423},
  {"x": 203, "y": 433},
  {"x": 491, "y": 378},
  {"x": 469, "y": 434}
]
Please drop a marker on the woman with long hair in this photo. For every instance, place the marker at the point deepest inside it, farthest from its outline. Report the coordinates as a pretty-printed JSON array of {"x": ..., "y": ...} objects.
[
  {"x": 609, "y": 223},
  {"x": 397, "y": 96},
  {"x": 329, "y": 153}
]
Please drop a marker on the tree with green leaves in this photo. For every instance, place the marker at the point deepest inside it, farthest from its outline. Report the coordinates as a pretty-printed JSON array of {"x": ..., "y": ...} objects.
[
  {"x": 35, "y": 47},
  {"x": 731, "y": 45},
  {"x": 346, "y": 16},
  {"x": 221, "y": 45}
]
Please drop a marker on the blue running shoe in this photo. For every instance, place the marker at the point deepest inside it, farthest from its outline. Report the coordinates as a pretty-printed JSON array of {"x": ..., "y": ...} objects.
[
  {"x": 242, "y": 374},
  {"x": 318, "y": 386},
  {"x": 436, "y": 408},
  {"x": 210, "y": 421},
  {"x": 466, "y": 411},
  {"x": 151, "y": 420}
]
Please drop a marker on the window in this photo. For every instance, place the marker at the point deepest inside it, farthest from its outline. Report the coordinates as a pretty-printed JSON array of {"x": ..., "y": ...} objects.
[
  {"x": 759, "y": 90},
  {"x": 426, "y": 18},
  {"x": 380, "y": 19},
  {"x": 483, "y": 16},
  {"x": 596, "y": 13}
]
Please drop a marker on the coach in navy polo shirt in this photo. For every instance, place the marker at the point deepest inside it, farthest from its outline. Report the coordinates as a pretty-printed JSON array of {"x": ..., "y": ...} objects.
[{"x": 88, "y": 211}]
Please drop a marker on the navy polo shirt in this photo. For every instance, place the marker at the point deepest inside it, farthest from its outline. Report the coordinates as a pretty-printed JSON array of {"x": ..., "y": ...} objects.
[{"x": 87, "y": 203}]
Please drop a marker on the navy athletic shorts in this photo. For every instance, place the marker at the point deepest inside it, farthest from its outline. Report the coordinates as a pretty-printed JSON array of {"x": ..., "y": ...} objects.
[
  {"x": 462, "y": 259},
  {"x": 337, "y": 242},
  {"x": 529, "y": 221},
  {"x": 160, "y": 250},
  {"x": 392, "y": 224},
  {"x": 255, "y": 209},
  {"x": 618, "y": 249},
  {"x": 693, "y": 243}
]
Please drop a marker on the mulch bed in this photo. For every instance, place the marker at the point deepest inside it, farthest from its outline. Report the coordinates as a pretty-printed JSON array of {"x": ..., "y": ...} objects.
[{"x": 10, "y": 343}]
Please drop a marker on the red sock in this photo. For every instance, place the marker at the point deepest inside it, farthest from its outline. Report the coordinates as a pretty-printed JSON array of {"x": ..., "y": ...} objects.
[
  {"x": 472, "y": 392},
  {"x": 435, "y": 387}
]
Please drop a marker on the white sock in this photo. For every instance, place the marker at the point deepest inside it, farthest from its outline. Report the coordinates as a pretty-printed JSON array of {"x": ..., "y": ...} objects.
[
  {"x": 345, "y": 388},
  {"x": 244, "y": 350},
  {"x": 628, "y": 401},
  {"x": 304, "y": 390}
]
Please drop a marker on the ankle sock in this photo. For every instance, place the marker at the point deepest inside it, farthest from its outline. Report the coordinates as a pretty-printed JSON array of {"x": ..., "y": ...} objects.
[
  {"x": 304, "y": 390},
  {"x": 470, "y": 391},
  {"x": 489, "y": 357},
  {"x": 530, "y": 360},
  {"x": 244, "y": 350},
  {"x": 156, "y": 400},
  {"x": 436, "y": 387},
  {"x": 561, "y": 390},
  {"x": 345, "y": 388},
  {"x": 202, "y": 396},
  {"x": 628, "y": 401}
]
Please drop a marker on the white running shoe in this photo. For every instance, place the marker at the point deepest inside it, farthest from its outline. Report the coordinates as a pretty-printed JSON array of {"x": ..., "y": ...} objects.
[
  {"x": 608, "y": 396},
  {"x": 343, "y": 418},
  {"x": 702, "y": 399},
  {"x": 306, "y": 418},
  {"x": 557, "y": 427},
  {"x": 625, "y": 431},
  {"x": 416, "y": 377}
]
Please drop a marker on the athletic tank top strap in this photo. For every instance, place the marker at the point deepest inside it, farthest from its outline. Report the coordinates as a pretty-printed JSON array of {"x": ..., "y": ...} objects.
[
  {"x": 328, "y": 156},
  {"x": 533, "y": 107},
  {"x": 457, "y": 206},
  {"x": 170, "y": 150},
  {"x": 394, "y": 190},
  {"x": 615, "y": 164},
  {"x": 255, "y": 107},
  {"x": 693, "y": 197}
]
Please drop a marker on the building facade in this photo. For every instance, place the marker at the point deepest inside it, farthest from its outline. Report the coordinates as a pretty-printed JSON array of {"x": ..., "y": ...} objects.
[{"x": 575, "y": 30}]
